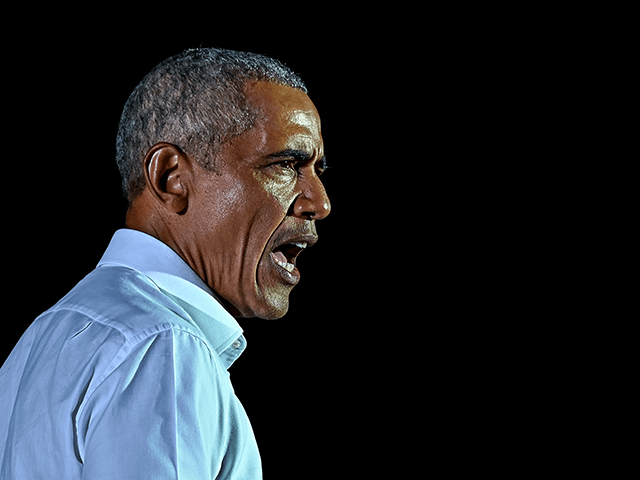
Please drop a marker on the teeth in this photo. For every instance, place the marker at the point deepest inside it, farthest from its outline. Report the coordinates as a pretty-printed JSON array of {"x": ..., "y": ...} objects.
[{"x": 287, "y": 266}]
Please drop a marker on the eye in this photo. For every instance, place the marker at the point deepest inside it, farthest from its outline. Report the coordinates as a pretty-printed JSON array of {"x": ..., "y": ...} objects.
[{"x": 286, "y": 165}]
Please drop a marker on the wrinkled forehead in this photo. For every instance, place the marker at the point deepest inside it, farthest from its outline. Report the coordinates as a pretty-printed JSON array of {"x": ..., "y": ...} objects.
[{"x": 303, "y": 130}]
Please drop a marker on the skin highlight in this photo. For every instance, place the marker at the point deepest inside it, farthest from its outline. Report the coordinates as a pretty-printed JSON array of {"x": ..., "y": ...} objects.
[{"x": 260, "y": 205}]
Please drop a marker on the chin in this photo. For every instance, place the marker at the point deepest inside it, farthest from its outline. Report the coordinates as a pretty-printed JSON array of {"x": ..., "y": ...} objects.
[
  {"x": 264, "y": 296},
  {"x": 273, "y": 311},
  {"x": 271, "y": 315},
  {"x": 270, "y": 306}
]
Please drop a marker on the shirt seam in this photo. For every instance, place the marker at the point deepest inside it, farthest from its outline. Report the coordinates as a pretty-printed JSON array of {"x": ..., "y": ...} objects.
[
  {"x": 132, "y": 338},
  {"x": 176, "y": 449},
  {"x": 176, "y": 300},
  {"x": 123, "y": 351},
  {"x": 130, "y": 345},
  {"x": 129, "y": 341}
]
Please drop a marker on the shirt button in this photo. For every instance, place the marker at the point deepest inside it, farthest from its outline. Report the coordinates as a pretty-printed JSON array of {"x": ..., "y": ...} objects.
[{"x": 236, "y": 344}]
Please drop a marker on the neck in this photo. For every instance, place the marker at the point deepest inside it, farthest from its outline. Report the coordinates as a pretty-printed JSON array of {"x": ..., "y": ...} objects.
[{"x": 143, "y": 216}]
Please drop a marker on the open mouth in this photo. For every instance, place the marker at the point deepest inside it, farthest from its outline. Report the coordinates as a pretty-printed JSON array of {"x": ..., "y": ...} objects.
[
  {"x": 288, "y": 245},
  {"x": 285, "y": 255}
]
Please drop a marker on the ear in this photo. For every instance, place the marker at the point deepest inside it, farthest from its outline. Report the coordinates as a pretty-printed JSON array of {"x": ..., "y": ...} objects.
[{"x": 167, "y": 172}]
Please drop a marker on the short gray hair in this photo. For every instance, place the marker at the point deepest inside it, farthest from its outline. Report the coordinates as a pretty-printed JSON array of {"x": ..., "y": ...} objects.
[{"x": 195, "y": 101}]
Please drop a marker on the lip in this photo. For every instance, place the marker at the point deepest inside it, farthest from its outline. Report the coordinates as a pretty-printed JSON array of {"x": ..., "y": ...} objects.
[
  {"x": 290, "y": 275},
  {"x": 291, "y": 278},
  {"x": 310, "y": 239}
]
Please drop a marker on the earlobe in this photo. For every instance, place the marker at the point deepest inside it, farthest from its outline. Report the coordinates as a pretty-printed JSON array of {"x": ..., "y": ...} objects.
[{"x": 166, "y": 170}]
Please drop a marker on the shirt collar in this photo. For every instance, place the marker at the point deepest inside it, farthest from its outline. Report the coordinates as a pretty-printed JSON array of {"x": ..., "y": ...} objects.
[{"x": 166, "y": 269}]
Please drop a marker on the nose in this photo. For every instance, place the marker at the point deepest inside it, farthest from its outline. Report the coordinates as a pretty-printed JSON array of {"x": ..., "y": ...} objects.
[{"x": 313, "y": 202}]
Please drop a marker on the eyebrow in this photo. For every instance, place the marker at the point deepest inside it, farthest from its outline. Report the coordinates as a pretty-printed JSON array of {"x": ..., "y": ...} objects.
[{"x": 300, "y": 156}]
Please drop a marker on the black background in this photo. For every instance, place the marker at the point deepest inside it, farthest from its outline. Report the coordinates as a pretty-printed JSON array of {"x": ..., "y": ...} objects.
[{"x": 447, "y": 318}]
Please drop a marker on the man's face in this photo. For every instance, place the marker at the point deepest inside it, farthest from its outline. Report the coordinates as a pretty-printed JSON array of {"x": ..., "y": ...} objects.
[{"x": 257, "y": 211}]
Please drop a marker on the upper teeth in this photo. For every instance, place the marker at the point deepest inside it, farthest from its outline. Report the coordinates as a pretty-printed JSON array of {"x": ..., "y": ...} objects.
[{"x": 286, "y": 265}]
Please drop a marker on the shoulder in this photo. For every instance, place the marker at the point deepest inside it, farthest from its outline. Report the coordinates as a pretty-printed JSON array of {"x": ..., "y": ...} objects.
[
  {"x": 124, "y": 301},
  {"x": 114, "y": 322}
]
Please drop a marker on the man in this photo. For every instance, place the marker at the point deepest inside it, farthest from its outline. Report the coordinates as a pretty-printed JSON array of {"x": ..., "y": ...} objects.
[{"x": 126, "y": 377}]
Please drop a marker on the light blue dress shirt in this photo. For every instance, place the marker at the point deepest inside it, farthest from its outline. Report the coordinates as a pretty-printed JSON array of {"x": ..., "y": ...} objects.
[{"x": 126, "y": 378}]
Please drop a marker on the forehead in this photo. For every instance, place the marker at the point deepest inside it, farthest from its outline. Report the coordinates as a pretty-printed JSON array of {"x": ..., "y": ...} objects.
[{"x": 287, "y": 118}]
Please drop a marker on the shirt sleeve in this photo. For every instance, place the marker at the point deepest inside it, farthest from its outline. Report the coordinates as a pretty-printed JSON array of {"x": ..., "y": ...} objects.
[{"x": 160, "y": 414}]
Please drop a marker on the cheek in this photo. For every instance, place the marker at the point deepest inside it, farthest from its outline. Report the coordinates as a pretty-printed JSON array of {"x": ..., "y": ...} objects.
[
  {"x": 281, "y": 192},
  {"x": 240, "y": 221},
  {"x": 226, "y": 203},
  {"x": 222, "y": 217},
  {"x": 256, "y": 201}
]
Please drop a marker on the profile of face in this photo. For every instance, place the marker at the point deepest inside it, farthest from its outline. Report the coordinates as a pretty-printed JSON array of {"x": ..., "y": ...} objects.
[{"x": 242, "y": 226}]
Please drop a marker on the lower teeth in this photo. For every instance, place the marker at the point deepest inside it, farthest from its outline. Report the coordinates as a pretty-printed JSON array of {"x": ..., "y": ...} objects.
[{"x": 287, "y": 266}]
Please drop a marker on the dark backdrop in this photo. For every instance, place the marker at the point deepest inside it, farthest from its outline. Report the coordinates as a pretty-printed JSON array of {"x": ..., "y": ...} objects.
[
  {"x": 440, "y": 322},
  {"x": 302, "y": 378}
]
